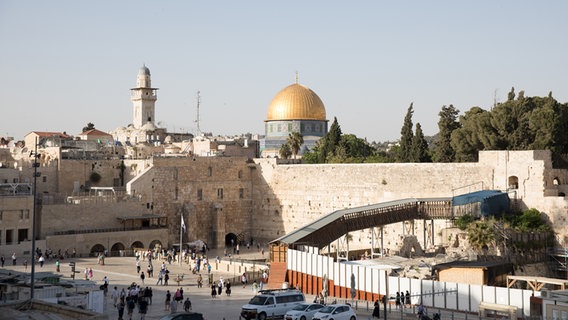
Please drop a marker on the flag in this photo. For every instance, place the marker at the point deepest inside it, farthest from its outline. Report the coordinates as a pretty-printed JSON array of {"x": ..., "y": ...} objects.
[{"x": 182, "y": 224}]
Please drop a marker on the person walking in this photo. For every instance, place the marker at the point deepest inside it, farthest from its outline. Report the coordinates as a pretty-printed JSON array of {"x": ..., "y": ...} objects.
[
  {"x": 120, "y": 308},
  {"x": 167, "y": 302},
  {"x": 142, "y": 308},
  {"x": 187, "y": 305},
  {"x": 142, "y": 277},
  {"x": 114, "y": 296},
  {"x": 377, "y": 310},
  {"x": 244, "y": 279},
  {"x": 160, "y": 277},
  {"x": 228, "y": 288}
]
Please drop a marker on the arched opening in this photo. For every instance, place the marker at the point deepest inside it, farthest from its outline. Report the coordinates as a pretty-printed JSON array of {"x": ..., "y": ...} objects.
[
  {"x": 96, "y": 250},
  {"x": 513, "y": 182},
  {"x": 137, "y": 245},
  {"x": 230, "y": 240},
  {"x": 117, "y": 250},
  {"x": 556, "y": 181},
  {"x": 155, "y": 244}
]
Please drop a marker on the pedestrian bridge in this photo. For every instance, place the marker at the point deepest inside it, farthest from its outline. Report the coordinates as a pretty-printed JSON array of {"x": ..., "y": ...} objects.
[{"x": 328, "y": 228}]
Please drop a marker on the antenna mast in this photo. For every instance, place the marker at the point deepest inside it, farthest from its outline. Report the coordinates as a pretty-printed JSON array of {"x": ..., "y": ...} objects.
[{"x": 198, "y": 103}]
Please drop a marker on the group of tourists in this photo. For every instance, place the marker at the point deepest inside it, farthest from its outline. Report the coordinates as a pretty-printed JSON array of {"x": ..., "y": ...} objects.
[
  {"x": 172, "y": 304},
  {"x": 217, "y": 288},
  {"x": 127, "y": 300}
]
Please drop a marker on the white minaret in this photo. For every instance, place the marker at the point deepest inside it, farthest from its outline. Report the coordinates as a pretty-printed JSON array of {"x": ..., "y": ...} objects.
[{"x": 143, "y": 99}]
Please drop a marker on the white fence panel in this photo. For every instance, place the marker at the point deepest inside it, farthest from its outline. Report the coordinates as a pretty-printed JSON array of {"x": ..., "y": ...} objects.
[
  {"x": 516, "y": 299},
  {"x": 393, "y": 286},
  {"x": 502, "y": 296},
  {"x": 308, "y": 260},
  {"x": 383, "y": 279},
  {"x": 463, "y": 297},
  {"x": 371, "y": 282},
  {"x": 476, "y": 296},
  {"x": 335, "y": 274},
  {"x": 527, "y": 301},
  {"x": 438, "y": 295},
  {"x": 415, "y": 291},
  {"x": 450, "y": 295},
  {"x": 427, "y": 297},
  {"x": 489, "y": 294},
  {"x": 404, "y": 285},
  {"x": 321, "y": 266}
]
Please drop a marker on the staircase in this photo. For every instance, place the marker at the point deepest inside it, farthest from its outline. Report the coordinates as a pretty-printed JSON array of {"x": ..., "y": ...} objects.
[{"x": 277, "y": 275}]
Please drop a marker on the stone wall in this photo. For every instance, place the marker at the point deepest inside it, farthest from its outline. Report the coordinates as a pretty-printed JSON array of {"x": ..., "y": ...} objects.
[
  {"x": 87, "y": 216},
  {"x": 214, "y": 195},
  {"x": 85, "y": 242}
]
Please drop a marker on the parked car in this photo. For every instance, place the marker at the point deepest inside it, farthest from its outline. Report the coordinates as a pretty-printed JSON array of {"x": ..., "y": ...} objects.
[
  {"x": 272, "y": 303},
  {"x": 335, "y": 312},
  {"x": 303, "y": 311},
  {"x": 183, "y": 316}
]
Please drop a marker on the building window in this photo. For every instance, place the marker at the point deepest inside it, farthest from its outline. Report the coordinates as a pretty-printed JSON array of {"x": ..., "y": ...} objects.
[
  {"x": 44, "y": 178},
  {"x": 9, "y": 236},
  {"x": 176, "y": 193},
  {"x": 240, "y": 174},
  {"x": 22, "y": 235},
  {"x": 15, "y": 180},
  {"x": 271, "y": 128},
  {"x": 199, "y": 194},
  {"x": 241, "y": 193},
  {"x": 21, "y": 214},
  {"x": 220, "y": 193},
  {"x": 210, "y": 171}
]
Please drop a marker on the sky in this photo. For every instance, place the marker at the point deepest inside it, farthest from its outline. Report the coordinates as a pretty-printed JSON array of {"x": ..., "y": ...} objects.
[{"x": 64, "y": 64}]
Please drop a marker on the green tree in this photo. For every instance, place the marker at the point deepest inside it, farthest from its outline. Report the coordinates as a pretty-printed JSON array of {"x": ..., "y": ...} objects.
[
  {"x": 406, "y": 136},
  {"x": 295, "y": 141},
  {"x": 420, "y": 151},
  {"x": 447, "y": 124},
  {"x": 481, "y": 234},
  {"x": 285, "y": 151},
  {"x": 90, "y": 126}
]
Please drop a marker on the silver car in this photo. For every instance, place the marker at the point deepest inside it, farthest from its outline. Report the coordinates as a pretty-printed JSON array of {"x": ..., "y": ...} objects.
[{"x": 303, "y": 311}]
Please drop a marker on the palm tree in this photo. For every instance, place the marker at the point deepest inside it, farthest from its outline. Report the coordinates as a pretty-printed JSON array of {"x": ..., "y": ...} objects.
[
  {"x": 481, "y": 234},
  {"x": 285, "y": 151},
  {"x": 295, "y": 141}
]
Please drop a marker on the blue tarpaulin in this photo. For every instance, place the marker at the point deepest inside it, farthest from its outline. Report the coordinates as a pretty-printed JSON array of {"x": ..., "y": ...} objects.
[{"x": 492, "y": 202}]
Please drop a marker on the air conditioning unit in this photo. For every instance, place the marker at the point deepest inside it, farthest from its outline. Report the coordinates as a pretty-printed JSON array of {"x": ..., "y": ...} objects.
[{"x": 545, "y": 294}]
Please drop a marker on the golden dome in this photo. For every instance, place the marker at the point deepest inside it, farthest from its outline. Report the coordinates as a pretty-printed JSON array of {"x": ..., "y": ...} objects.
[{"x": 296, "y": 102}]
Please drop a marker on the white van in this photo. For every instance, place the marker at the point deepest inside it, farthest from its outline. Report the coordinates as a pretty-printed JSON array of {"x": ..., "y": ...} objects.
[{"x": 272, "y": 303}]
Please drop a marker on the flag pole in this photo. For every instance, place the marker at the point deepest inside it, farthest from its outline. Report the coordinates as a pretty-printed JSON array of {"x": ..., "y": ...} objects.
[{"x": 181, "y": 227}]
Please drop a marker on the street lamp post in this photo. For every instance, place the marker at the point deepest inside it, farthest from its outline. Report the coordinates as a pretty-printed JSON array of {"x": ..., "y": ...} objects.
[{"x": 36, "y": 174}]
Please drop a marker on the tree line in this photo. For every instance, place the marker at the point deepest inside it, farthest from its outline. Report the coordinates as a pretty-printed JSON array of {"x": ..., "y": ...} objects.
[{"x": 520, "y": 123}]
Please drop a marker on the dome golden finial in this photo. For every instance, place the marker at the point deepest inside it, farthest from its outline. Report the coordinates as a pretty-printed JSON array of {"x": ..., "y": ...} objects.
[{"x": 297, "y": 77}]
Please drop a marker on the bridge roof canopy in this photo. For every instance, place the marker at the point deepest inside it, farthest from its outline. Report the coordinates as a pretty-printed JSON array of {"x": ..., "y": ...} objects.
[{"x": 330, "y": 227}]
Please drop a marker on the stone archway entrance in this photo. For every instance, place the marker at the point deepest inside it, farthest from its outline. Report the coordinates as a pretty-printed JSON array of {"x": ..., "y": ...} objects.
[
  {"x": 137, "y": 245},
  {"x": 96, "y": 250},
  {"x": 117, "y": 250},
  {"x": 230, "y": 240}
]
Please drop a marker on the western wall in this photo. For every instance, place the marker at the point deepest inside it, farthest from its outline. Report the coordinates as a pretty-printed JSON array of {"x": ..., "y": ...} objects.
[{"x": 262, "y": 199}]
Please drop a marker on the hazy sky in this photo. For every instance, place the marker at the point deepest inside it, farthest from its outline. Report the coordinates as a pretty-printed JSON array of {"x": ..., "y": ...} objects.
[{"x": 66, "y": 63}]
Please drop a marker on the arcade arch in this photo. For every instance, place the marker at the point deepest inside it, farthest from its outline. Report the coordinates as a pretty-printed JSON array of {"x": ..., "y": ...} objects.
[
  {"x": 97, "y": 249},
  {"x": 137, "y": 245}
]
